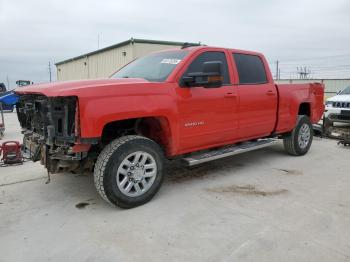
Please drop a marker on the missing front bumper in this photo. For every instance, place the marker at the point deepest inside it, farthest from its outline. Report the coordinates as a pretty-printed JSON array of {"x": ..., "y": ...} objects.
[{"x": 56, "y": 159}]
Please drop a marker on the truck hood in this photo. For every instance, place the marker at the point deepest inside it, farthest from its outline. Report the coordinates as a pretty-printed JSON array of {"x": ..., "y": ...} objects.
[
  {"x": 77, "y": 88},
  {"x": 339, "y": 98}
]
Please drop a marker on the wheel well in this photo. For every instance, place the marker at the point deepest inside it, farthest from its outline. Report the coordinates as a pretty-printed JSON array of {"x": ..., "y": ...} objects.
[
  {"x": 304, "y": 109},
  {"x": 155, "y": 128},
  {"x": 116, "y": 129}
]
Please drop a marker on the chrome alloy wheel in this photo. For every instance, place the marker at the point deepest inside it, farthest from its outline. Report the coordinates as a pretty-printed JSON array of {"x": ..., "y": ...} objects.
[
  {"x": 304, "y": 136},
  {"x": 136, "y": 174}
]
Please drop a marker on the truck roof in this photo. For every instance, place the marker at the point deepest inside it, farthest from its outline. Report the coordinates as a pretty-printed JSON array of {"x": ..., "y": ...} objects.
[{"x": 194, "y": 48}]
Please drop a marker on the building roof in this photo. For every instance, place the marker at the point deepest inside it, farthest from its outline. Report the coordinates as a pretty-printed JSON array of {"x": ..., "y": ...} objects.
[{"x": 130, "y": 41}]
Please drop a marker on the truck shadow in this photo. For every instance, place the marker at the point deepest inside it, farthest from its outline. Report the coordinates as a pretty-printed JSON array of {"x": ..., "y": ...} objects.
[
  {"x": 177, "y": 173},
  {"x": 86, "y": 197}
]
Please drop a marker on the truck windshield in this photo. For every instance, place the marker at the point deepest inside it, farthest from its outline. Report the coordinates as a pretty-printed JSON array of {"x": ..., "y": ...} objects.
[
  {"x": 154, "y": 67},
  {"x": 346, "y": 91}
]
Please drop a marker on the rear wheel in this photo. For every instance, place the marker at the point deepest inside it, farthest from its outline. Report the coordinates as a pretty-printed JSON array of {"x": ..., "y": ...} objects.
[
  {"x": 129, "y": 171},
  {"x": 298, "y": 142}
]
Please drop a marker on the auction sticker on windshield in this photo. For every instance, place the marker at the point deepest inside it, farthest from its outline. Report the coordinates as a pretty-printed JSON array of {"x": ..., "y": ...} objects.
[{"x": 170, "y": 61}]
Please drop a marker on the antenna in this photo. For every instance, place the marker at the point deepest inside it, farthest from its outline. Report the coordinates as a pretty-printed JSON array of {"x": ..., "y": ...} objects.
[{"x": 187, "y": 44}]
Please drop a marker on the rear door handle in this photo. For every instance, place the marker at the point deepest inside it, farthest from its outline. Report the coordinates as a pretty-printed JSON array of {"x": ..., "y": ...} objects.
[{"x": 230, "y": 95}]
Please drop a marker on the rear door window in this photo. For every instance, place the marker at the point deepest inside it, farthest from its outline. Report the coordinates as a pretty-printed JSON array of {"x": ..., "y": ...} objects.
[{"x": 251, "y": 69}]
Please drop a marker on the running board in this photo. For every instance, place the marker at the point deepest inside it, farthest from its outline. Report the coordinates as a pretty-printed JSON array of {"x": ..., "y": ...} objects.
[{"x": 228, "y": 151}]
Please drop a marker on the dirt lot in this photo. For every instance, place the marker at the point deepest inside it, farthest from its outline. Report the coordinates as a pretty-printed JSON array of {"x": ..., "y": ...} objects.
[{"x": 259, "y": 206}]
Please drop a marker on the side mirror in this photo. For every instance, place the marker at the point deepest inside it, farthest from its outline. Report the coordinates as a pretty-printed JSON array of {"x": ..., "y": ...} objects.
[
  {"x": 210, "y": 77},
  {"x": 339, "y": 92}
]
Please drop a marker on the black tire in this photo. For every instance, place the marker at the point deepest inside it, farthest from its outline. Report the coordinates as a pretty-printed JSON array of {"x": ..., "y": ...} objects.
[
  {"x": 291, "y": 143},
  {"x": 110, "y": 159}
]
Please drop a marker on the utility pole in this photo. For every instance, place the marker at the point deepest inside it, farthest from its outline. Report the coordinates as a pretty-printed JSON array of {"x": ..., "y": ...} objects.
[
  {"x": 8, "y": 82},
  {"x": 279, "y": 73},
  {"x": 50, "y": 71},
  {"x": 277, "y": 70}
]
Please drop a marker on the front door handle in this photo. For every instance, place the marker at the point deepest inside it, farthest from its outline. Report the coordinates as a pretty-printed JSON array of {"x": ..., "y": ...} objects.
[
  {"x": 270, "y": 93},
  {"x": 231, "y": 95}
]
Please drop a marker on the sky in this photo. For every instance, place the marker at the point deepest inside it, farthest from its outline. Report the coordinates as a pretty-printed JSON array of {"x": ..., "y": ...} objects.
[{"x": 310, "y": 33}]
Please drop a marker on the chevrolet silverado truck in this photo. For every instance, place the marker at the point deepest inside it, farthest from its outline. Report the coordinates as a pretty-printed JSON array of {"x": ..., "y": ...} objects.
[{"x": 194, "y": 105}]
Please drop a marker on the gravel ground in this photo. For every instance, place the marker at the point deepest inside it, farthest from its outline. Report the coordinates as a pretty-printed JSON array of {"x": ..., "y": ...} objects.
[{"x": 258, "y": 206}]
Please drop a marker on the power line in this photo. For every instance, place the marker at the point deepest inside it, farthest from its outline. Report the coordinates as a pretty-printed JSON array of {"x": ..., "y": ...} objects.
[
  {"x": 317, "y": 58},
  {"x": 339, "y": 66}
]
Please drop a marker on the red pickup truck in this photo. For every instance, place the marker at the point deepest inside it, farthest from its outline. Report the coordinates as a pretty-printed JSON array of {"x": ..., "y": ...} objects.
[{"x": 196, "y": 104}]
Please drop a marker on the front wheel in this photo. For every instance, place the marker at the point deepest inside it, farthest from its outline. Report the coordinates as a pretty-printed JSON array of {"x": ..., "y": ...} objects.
[
  {"x": 129, "y": 171},
  {"x": 298, "y": 142}
]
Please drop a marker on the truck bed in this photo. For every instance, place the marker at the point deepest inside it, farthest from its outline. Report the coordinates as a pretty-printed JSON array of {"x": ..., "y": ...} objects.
[{"x": 291, "y": 96}]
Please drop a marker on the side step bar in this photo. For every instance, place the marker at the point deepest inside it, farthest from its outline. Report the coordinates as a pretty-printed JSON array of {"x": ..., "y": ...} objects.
[{"x": 228, "y": 151}]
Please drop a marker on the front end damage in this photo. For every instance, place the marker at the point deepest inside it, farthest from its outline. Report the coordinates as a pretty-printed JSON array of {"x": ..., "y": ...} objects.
[{"x": 51, "y": 132}]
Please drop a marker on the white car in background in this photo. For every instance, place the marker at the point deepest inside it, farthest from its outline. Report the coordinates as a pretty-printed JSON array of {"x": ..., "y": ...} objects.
[{"x": 338, "y": 108}]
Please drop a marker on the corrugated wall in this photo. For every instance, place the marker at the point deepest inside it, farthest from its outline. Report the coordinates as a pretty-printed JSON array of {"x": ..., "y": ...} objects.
[
  {"x": 103, "y": 64},
  {"x": 99, "y": 65},
  {"x": 141, "y": 49},
  {"x": 332, "y": 86},
  {"x": 72, "y": 70}
]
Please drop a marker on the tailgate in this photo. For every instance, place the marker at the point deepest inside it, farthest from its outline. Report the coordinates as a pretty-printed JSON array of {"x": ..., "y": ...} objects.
[{"x": 317, "y": 98}]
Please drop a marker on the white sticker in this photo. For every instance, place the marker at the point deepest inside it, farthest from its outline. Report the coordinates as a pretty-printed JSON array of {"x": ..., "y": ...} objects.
[{"x": 171, "y": 61}]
